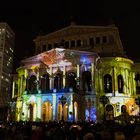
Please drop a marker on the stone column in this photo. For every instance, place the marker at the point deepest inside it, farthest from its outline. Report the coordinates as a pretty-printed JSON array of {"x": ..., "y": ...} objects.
[
  {"x": 64, "y": 76},
  {"x": 92, "y": 76},
  {"x": 71, "y": 108},
  {"x": 134, "y": 83},
  {"x": 130, "y": 83},
  {"x": 78, "y": 76},
  {"x": 125, "y": 82},
  {"x": 37, "y": 78},
  {"x": 34, "y": 112},
  {"x": 78, "y": 70},
  {"x": 100, "y": 82},
  {"x": 39, "y": 107},
  {"x": 13, "y": 89},
  {"x": 25, "y": 75},
  {"x": 54, "y": 107},
  {"x": 114, "y": 79},
  {"x": 50, "y": 77},
  {"x": 126, "y": 79},
  {"x": 21, "y": 85}
]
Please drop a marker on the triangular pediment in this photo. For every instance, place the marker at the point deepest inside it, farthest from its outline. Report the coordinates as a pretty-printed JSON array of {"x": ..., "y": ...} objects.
[
  {"x": 76, "y": 29},
  {"x": 60, "y": 57}
]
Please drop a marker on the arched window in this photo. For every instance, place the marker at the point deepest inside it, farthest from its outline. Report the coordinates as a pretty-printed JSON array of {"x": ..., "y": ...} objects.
[
  {"x": 137, "y": 79},
  {"x": 30, "y": 107},
  {"x": 109, "y": 112},
  {"x": 120, "y": 84},
  {"x": 47, "y": 111},
  {"x": 71, "y": 80},
  {"x": 32, "y": 87},
  {"x": 58, "y": 81},
  {"x": 107, "y": 83},
  {"x": 86, "y": 80},
  {"x": 45, "y": 83}
]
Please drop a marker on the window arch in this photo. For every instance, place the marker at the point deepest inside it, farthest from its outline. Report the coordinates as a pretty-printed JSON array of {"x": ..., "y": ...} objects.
[
  {"x": 107, "y": 83},
  {"x": 32, "y": 87},
  {"x": 86, "y": 80},
  {"x": 71, "y": 80},
  {"x": 109, "y": 112},
  {"x": 58, "y": 81},
  {"x": 45, "y": 83},
  {"x": 120, "y": 84}
]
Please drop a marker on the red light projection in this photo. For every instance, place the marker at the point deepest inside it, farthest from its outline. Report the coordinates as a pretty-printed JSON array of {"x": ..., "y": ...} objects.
[{"x": 53, "y": 57}]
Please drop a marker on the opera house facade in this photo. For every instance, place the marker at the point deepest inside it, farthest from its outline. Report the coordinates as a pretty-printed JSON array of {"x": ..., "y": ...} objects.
[{"x": 78, "y": 73}]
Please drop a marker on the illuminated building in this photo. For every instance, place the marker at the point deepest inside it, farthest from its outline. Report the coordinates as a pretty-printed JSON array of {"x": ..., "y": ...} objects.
[
  {"x": 6, "y": 62},
  {"x": 47, "y": 77},
  {"x": 66, "y": 78}
]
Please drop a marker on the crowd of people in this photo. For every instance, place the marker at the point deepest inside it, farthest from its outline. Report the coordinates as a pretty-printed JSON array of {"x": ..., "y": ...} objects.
[{"x": 69, "y": 131}]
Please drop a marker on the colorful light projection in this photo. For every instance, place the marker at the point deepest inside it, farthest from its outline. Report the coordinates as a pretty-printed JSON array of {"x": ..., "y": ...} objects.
[
  {"x": 85, "y": 62},
  {"x": 49, "y": 58},
  {"x": 85, "y": 59},
  {"x": 91, "y": 114},
  {"x": 55, "y": 57}
]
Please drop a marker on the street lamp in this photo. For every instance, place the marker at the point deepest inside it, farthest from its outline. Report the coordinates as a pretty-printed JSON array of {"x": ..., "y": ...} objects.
[
  {"x": 63, "y": 100},
  {"x": 104, "y": 100},
  {"x": 137, "y": 101}
]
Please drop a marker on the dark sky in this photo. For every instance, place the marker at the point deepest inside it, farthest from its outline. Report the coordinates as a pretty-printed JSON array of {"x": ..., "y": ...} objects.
[{"x": 30, "y": 18}]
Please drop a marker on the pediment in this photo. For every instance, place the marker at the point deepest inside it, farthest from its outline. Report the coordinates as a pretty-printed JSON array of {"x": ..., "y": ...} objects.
[
  {"x": 74, "y": 30},
  {"x": 60, "y": 57}
]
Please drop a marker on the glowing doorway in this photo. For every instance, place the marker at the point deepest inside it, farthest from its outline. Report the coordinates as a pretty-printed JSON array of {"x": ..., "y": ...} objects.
[
  {"x": 32, "y": 111},
  {"x": 75, "y": 111},
  {"x": 59, "y": 115},
  {"x": 65, "y": 109},
  {"x": 47, "y": 111},
  {"x": 62, "y": 112}
]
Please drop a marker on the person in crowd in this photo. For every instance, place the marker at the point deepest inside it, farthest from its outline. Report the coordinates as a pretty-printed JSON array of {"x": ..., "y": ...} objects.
[
  {"x": 105, "y": 135},
  {"x": 119, "y": 135},
  {"x": 136, "y": 137},
  {"x": 88, "y": 136}
]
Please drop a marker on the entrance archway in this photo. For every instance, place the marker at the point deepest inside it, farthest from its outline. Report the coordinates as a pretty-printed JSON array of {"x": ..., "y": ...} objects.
[
  {"x": 75, "y": 111},
  {"x": 65, "y": 109},
  {"x": 109, "y": 112},
  {"x": 62, "y": 111},
  {"x": 47, "y": 111},
  {"x": 59, "y": 115},
  {"x": 32, "y": 111}
]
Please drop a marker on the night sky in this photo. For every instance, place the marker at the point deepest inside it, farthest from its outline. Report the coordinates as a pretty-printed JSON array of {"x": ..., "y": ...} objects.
[{"x": 30, "y": 18}]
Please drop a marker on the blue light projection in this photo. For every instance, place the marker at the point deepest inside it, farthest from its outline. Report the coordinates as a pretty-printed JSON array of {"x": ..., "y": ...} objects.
[
  {"x": 84, "y": 59},
  {"x": 92, "y": 116},
  {"x": 85, "y": 62}
]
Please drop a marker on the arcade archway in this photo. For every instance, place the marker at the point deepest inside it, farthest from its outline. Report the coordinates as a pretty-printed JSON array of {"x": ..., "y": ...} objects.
[{"x": 47, "y": 111}]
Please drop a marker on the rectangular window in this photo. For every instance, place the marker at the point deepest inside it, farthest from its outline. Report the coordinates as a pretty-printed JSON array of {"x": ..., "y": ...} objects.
[
  {"x": 91, "y": 41},
  {"x": 67, "y": 44},
  {"x": 97, "y": 40},
  {"x": 111, "y": 39},
  {"x": 49, "y": 46},
  {"x": 44, "y": 48},
  {"x": 78, "y": 42},
  {"x": 72, "y": 43},
  {"x": 55, "y": 45},
  {"x": 104, "y": 39},
  {"x": 38, "y": 49}
]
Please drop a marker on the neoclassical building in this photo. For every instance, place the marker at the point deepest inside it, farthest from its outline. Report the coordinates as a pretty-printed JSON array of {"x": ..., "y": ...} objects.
[
  {"x": 73, "y": 70},
  {"x": 50, "y": 83}
]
